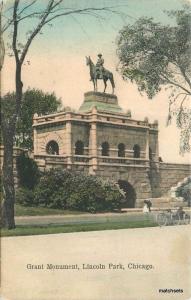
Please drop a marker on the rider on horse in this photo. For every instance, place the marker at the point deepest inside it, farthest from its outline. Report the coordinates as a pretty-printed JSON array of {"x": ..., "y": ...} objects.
[
  {"x": 99, "y": 66},
  {"x": 99, "y": 72}
]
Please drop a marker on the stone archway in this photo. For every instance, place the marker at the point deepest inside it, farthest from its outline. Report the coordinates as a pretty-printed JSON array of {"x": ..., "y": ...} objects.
[
  {"x": 129, "y": 192},
  {"x": 52, "y": 148},
  {"x": 53, "y": 136}
]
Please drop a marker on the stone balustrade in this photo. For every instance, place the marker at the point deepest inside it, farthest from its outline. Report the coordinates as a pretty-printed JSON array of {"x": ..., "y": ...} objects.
[
  {"x": 81, "y": 158},
  {"x": 120, "y": 119},
  {"x": 122, "y": 161},
  {"x": 46, "y": 160}
]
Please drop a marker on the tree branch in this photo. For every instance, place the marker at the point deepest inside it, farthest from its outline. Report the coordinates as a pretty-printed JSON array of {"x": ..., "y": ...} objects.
[
  {"x": 183, "y": 73},
  {"x": 45, "y": 20},
  {"x": 52, "y": 11},
  {"x": 6, "y": 26},
  {"x": 176, "y": 84},
  {"x": 19, "y": 14},
  {"x": 40, "y": 12},
  {"x": 174, "y": 100},
  {"x": 26, "y": 7},
  {"x": 78, "y": 11},
  {"x": 79, "y": 24},
  {"x": 181, "y": 110},
  {"x": 57, "y": 3},
  {"x": 15, "y": 22},
  {"x": 36, "y": 30},
  {"x": 185, "y": 76},
  {"x": 30, "y": 15}
]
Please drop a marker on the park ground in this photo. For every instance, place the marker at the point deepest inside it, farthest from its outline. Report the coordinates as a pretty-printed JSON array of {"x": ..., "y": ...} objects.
[
  {"x": 166, "y": 249},
  {"x": 65, "y": 223},
  {"x": 38, "y": 220}
]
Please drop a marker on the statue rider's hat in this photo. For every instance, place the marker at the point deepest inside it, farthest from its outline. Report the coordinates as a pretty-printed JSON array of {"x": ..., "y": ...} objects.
[{"x": 99, "y": 55}]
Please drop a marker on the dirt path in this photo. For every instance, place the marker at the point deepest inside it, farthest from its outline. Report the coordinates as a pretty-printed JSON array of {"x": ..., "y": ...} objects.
[{"x": 79, "y": 219}]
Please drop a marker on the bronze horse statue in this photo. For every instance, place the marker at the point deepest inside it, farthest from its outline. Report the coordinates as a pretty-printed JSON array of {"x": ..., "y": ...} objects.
[{"x": 94, "y": 75}]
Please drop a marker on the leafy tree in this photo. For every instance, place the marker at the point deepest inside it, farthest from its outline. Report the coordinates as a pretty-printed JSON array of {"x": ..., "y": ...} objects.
[
  {"x": 28, "y": 172},
  {"x": 153, "y": 56},
  {"x": 34, "y": 101},
  {"x": 38, "y": 14}
]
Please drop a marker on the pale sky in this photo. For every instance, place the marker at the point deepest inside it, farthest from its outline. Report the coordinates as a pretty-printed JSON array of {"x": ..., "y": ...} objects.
[{"x": 56, "y": 62}]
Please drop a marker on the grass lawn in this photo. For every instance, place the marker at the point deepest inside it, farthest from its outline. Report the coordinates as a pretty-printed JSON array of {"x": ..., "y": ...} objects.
[
  {"x": 51, "y": 229},
  {"x": 41, "y": 211}
]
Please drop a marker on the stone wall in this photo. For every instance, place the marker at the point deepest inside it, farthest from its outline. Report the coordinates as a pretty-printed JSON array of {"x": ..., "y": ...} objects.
[
  {"x": 80, "y": 132},
  {"x": 171, "y": 174},
  {"x": 137, "y": 176},
  {"x": 115, "y": 135},
  {"x": 153, "y": 145},
  {"x": 51, "y": 133},
  {"x": 148, "y": 179},
  {"x": 149, "y": 182}
]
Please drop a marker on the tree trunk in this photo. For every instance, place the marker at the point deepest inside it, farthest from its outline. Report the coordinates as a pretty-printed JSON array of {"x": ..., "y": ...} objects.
[
  {"x": 8, "y": 130},
  {"x": 8, "y": 178}
]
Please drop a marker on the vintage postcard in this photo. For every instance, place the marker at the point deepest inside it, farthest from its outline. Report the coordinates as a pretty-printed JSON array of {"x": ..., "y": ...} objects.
[{"x": 95, "y": 149}]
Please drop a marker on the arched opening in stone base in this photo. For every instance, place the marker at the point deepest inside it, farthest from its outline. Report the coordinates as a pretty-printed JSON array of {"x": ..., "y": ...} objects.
[
  {"x": 52, "y": 148},
  {"x": 129, "y": 193}
]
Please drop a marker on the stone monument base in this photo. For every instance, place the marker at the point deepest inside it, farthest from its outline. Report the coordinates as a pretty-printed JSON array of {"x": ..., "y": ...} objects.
[{"x": 102, "y": 101}]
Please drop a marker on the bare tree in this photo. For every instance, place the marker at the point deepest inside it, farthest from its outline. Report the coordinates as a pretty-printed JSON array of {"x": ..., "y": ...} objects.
[{"x": 44, "y": 14}]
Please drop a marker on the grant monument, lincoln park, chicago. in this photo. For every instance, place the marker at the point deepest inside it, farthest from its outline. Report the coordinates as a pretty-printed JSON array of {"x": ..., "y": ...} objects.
[{"x": 101, "y": 139}]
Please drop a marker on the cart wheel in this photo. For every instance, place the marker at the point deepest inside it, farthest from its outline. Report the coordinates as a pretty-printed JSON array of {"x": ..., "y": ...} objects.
[
  {"x": 176, "y": 219},
  {"x": 162, "y": 219}
]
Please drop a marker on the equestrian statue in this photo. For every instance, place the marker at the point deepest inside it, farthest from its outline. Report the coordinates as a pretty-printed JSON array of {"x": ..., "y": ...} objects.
[{"x": 99, "y": 72}]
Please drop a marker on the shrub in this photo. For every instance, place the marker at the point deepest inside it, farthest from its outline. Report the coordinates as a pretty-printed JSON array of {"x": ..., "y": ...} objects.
[
  {"x": 69, "y": 190},
  {"x": 112, "y": 196},
  {"x": 87, "y": 194},
  {"x": 25, "y": 197},
  {"x": 53, "y": 188},
  {"x": 28, "y": 172},
  {"x": 185, "y": 192}
]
